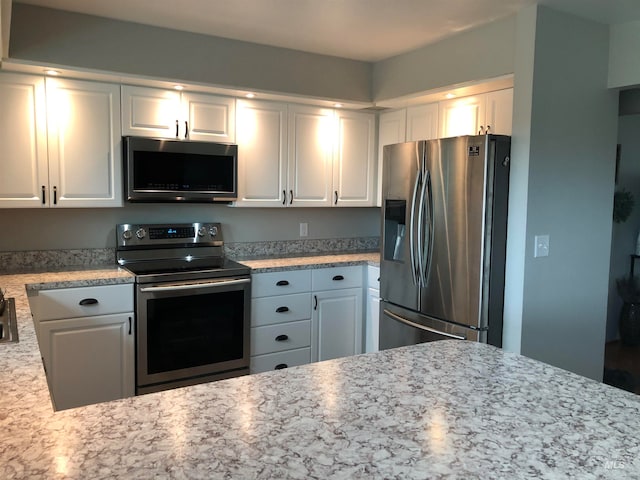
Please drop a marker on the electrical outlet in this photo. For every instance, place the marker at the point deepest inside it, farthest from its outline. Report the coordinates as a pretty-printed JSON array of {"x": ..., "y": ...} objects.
[
  {"x": 304, "y": 229},
  {"x": 541, "y": 248}
]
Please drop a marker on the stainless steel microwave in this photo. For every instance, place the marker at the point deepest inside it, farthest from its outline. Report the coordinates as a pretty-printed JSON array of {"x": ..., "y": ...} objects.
[{"x": 159, "y": 170}]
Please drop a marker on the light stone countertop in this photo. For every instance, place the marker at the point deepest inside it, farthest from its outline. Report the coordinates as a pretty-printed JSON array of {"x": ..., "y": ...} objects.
[
  {"x": 263, "y": 265},
  {"x": 440, "y": 410}
]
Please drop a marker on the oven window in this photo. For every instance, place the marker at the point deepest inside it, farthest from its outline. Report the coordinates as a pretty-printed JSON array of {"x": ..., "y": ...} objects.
[{"x": 195, "y": 330}]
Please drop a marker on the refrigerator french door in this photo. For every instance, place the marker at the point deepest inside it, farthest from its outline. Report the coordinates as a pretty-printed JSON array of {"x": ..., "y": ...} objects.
[{"x": 444, "y": 222}]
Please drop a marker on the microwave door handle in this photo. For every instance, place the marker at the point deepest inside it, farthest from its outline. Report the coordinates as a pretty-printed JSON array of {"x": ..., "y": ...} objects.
[
  {"x": 194, "y": 286},
  {"x": 422, "y": 327}
]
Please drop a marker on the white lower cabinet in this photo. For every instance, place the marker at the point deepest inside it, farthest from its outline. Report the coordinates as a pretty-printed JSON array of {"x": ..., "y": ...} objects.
[
  {"x": 318, "y": 316},
  {"x": 280, "y": 320},
  {"x": 372, "y": 336},
  {"x": 89, "y": 360},
  {"x": 87, "y": 343},
  {"x": 337, "y": 313}
]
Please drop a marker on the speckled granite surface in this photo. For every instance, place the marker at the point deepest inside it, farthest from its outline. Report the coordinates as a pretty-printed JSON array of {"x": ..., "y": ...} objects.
[
  {"x": 263, "y": 265},
  {"x": 441, "y": 410},
  {"x": 96, "y": 257}
]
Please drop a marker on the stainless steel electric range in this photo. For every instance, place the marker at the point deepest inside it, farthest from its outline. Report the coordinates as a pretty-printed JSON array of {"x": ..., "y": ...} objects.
[{"x": 192, "y": 304}]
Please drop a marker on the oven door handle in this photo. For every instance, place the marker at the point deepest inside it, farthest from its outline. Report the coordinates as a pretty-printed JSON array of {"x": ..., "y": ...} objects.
[{"x": 193, "y": 286}]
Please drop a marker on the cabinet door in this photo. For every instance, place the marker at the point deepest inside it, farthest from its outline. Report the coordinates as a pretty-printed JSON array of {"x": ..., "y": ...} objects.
[
  {"x": 499, "y": 115},
  {"x": 392, "y": 128},
  {"x": 89, "y": 359},
  {"x": 336, "y": 324},
  {"x": 150, "y": 112},
  {"x": 371, "y": 335},
  {"x": 353, "y": 167},
  {"x": 85, "y": 153},
  {"x": 23, "y": 141},
  {"x": 262, "y": 153},
  {"x": 311, "y": 142},
  {"x": 372, "y": 330},
  {"x": 462, "y": 116},
  {"x": 422, "y": 122},
  {"x": 209, "y": 118}
]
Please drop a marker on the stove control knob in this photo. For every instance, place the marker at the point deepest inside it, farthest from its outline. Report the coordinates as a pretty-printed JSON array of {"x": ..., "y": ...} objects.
[
  {"x": 141, "y": 233},
  {"x": 202, "y": 231},
  {"x": 213, "y": 231},
  {"x": 127, "y": 234}
]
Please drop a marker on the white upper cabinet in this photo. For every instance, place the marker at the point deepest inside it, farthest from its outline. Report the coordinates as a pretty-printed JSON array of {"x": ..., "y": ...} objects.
[
  {"x": 85, "y": 159},
  {"x": 499, "y": 113},
  {"x": 353, "y": 167},
  {"x": 154, "y": 112},
  {"x": 62, "y": 148},
  {"x": 462, "y": 116},
  {"x": 422, "y": 122},
  {"x": 311, "y": 144},
  {"x": 210, "y": 118},
  {"x": 392, "y": 127},
  {"x": 478, "y": 114},
  {"x": 23, "y": 141},
  {"x": 304, "y": 156},
  {"x": 262, "y": 153}
]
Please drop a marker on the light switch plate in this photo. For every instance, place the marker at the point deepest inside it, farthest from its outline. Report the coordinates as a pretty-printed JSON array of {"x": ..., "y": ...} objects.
[
  {"x": 304, "y": 229},
  {"x": 541, "y": 248}
]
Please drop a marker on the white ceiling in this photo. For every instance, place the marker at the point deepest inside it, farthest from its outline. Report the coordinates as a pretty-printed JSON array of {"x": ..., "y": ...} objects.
[{"x": 368, "y": 30}]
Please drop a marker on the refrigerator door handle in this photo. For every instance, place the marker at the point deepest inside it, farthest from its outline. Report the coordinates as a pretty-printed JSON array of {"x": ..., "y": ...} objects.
[
  {"x": 430, "y": 229},
  {"x": 424, "y": 263},
  {"x": 422, "y": 327},
  {"x": 412, "y": 233}
]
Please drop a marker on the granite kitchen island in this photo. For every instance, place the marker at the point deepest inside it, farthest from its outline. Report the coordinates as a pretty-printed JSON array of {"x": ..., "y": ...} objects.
[
  {"x": 403, "y": 413},
  {"x": 441, "y": 410}
]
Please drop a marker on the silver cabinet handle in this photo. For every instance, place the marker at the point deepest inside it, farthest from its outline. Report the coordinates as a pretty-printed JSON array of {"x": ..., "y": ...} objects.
[
  {"x": 421, "y": 327},
  {"x": 193, "y": 286}
]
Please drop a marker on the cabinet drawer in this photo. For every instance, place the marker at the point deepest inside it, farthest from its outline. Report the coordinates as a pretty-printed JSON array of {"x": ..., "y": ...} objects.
[
  {"x": 289, "y": 358},
  {"x": 289, "y": 336},
  {"x": 83, "y": 301},
  {"x": 336, "y": 278},
  {"x": 281, "y": 308},
  {"x": 280, "y": 283}
]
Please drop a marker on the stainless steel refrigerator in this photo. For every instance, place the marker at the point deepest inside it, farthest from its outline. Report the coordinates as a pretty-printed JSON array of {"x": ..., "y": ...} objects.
[{"x": 444, "y": 222}]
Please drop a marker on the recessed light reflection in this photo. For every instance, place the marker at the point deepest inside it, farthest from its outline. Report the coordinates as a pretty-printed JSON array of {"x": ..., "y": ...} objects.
[
  {"x": 449, "y": 95},
  {"x": 53, "y": 73},
  {"x": 250, "y": 95},
  {"x": 178, "y": 87}
]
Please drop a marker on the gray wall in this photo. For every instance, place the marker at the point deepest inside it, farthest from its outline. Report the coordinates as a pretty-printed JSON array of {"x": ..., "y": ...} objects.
[
  {"x": 83, "y": 41},
  {"x": 571, "y": 150},
  {"x": 624, "y": 68},
  {"x": 95, "y": 228},
  {"x": 478, "y": 54}
]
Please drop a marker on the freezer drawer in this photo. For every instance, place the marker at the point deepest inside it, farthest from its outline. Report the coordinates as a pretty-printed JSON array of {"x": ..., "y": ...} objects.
[{"x": 400, "y": 327}]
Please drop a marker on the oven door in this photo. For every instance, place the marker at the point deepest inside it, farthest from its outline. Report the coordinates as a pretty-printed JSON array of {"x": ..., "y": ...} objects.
[{"x": 189, "y": 330}]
